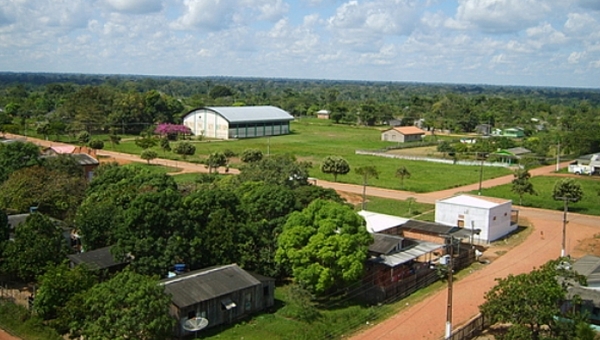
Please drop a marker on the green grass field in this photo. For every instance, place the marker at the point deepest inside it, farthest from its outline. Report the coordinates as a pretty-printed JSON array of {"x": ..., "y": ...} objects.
[
  {"x": 313, "y": 139},
  {"x": 590, "y": 204}
]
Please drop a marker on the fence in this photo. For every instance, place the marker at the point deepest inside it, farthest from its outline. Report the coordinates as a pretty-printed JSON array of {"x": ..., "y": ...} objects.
[
  {"x": 434, "y": 160},
  {"x": 471, "y": 329}
]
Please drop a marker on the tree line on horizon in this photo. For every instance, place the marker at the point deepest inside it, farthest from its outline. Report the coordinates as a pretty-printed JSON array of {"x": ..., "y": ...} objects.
[{"x": 58, "y": 104}]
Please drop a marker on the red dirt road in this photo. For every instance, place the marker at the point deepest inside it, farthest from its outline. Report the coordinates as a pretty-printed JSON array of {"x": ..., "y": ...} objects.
[{"x": 426, "y": 319}]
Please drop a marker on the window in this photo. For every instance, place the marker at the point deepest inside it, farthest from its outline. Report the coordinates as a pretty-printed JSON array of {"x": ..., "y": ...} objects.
[
  {"x": 266, "y": 290},
  {"x": 191, "y": 314}
]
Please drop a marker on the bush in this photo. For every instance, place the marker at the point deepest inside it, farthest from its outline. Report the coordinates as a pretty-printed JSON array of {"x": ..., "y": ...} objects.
[{"x": 96, "y": 144}]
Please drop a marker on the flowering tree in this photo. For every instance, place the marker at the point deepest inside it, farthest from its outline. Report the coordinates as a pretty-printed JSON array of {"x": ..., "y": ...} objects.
[{"x": 171, "y": 131}]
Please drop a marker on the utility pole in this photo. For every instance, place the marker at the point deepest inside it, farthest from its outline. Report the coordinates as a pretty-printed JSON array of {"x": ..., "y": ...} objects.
[
  {"x": 480, "y": 175},
  {"x": 558, "y": 156},
  {"x": 448, "y": 333},
  {"x": 565, "y": 200}
]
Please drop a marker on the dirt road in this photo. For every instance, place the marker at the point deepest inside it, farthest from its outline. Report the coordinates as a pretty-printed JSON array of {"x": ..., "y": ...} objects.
[{"x": 426, "y": 320}]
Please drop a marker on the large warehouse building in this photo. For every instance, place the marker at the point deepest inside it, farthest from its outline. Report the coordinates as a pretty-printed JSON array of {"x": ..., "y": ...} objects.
[{"x": 238, "y": 122}]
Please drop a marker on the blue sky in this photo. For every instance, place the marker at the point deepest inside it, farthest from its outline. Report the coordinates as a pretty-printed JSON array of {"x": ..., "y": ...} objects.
[{"x": 500, "y": 42}]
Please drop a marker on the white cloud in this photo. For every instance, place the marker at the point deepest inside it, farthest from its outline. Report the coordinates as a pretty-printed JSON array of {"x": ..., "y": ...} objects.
[
  {"x": 500, "y": 16},
  {"x": 206, "y": 14},
  {"x": 135, "y": 6},
  {"x": 269, "y": 10},
  {"x": 361, "y": 24},
  {"x": 575, "y": 57}
]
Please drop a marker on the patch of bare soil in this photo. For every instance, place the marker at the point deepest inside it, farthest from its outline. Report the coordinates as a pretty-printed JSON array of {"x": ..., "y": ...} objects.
[
  {"x": 351, "y": 198},
  {"x": 590, "y": 246},
  {"x": 422, "y": 151},
  {"x": 105, "y": 159}
]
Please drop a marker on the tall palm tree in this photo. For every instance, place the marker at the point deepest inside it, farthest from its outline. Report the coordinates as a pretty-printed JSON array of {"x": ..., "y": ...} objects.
[
  {"x": 402, "y": 172},
  {"x": 366, "y": 172}
]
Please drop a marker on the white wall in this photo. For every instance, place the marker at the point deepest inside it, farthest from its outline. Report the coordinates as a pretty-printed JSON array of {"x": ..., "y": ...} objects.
[
  {"x": 208, "y": 124},
  {"x": 493, "y": 222}
]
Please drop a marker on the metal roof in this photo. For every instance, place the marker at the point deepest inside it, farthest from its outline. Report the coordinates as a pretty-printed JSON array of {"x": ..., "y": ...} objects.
[
  {"x": 205, "y": 284},
  {"x": 247, "y": 114},
  {"x": 100, "y": 258},
  {"x": 429, "y": 227},
  {"x": 377, "y": 222},
  {"x": 16, "y": 220},
  {"x": 384, "y": 244},
  {"x": 84, "y": 159},
  {"x": 408, "y": 130},
  {"x": 421, "y": 248},
  {"x": 475, "y": 202},
  {"x": 589, "y": 266}
]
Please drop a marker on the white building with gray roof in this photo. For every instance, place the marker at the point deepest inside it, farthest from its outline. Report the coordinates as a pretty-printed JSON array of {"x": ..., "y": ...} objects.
[{"x": 233, "y": 122}]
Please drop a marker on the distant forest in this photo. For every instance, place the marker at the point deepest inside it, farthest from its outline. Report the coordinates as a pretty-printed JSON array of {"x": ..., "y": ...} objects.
[{"x": 70, "y": 103}]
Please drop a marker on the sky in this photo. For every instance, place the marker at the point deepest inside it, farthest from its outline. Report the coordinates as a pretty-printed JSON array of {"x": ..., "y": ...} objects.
[{"x": 498, "y": 42}]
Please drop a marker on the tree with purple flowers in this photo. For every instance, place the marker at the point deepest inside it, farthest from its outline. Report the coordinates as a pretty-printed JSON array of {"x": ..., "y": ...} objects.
[{"x": 171, "y": 131}]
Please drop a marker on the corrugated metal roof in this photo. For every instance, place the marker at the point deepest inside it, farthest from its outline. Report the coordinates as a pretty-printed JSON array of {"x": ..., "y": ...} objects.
[
  {"x": 377, "y": 222},
  {"x": 100, "y": 258},
  {"x": 429, "y": 227},
  {"x": 15, "y": 220},
  {"x": 475, "y": 202},
  {"x": 84, "y": 159},
  {"x": 247, "y": 114},
  {"x": 205, "y": 284},
  {"x": 421, "y": 248},
  {"x": 589, "y": 266},
  {"x": 384, "y": 244}
]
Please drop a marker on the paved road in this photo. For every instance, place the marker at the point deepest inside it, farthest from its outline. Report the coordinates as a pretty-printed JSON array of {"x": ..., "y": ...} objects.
[{"x": 425, "y": 320}]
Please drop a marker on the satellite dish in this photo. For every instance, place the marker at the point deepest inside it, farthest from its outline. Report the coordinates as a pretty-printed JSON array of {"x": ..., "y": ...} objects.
[{"x": 195, "y": 324}]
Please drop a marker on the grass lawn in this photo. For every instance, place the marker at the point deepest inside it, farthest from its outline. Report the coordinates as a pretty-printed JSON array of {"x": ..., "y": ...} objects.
[
  {"x": 396, "y": 207},
  {"x": 333, "y": 323},
  {"x": 312, "y": 140},
  {"x": 589, "y": 205},
  {"x": 17, "y": 320}
]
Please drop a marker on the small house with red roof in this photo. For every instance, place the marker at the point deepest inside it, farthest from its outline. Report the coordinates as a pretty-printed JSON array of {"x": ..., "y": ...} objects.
[{"x": 402, "y": 134}]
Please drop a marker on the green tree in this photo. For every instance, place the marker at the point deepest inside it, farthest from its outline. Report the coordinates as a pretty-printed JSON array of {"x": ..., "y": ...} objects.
[
  {"x": 277, "y": 169},
  {"x": 146, "y": 142},
  {"x": 445, "y": 147},
  {"x": 530, "y": 302},
  {"x": 521, "y": 184},
  {"x": 57, "y": 285},
  {"x": 251, "y": 155},
  {"x": 324, "y": 246},
  {"x": 4, "y": 231},
  {"x": 128, "y": 306},
  {"x": 149, "y": 222},
  {"x": 215, "y": 160},
  {"x": 365, "y": 172},
  {"x": 17, "y": 155},
  {"x": 219, "y": 91},
  {"x": 83, "y": 137},
  {"x": 185, "y": 149},
  {"x": 96, "y": 144},
  {"x": 115, "y": 139},
  {"x": 39, "y": 242},
  {"x": 335, "y": 165},
  {"x": 402, "y": 172},
  {"x": 55, "y": 193},
  {"x": 567, "y": 189},
  {"x": 148, "y": 155},
  {"x": 165, "y": 145}
]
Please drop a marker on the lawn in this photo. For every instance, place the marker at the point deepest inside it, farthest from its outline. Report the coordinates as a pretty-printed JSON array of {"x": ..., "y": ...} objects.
[
  {"x": 589, "y": 205},
  {"x": 396, "y": 207},
  {"x": 312, "y": 140}
]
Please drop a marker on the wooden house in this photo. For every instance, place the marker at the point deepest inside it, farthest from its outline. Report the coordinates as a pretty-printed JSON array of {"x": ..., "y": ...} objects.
[
  {"x": 98, "y": 259},
  {"x": 221, "y": 294}
]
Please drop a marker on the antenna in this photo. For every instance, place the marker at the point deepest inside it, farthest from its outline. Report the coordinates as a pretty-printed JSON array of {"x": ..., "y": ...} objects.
[{"x": 195, "y": 324}]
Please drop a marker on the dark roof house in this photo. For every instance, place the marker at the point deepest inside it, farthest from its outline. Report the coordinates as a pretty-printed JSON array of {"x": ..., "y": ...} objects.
[
  {"x": 220, "y": 294},
  {"x": 100, "y": 258}
]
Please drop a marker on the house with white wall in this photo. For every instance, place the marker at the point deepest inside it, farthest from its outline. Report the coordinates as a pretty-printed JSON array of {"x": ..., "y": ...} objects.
[{"x": 489, "y": 218}]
